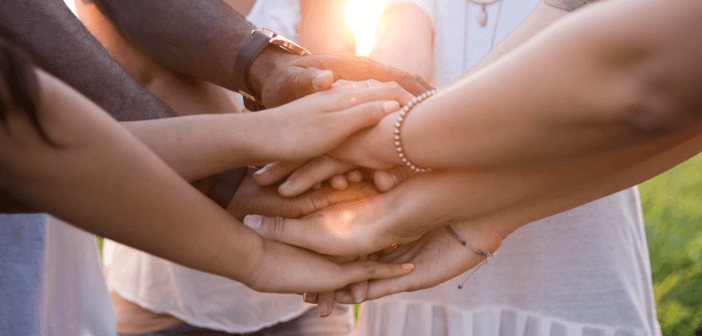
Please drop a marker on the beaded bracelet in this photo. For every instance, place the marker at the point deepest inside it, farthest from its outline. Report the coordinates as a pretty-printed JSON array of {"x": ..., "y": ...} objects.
[
  {"x": 398, "y": 143},
  {"x": 483, "y": 253}
]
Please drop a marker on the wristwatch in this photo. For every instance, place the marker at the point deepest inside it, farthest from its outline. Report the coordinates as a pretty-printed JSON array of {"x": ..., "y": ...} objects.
[
  {"x": 226, "y": 183},
  {"x": 260, "y": 39}
]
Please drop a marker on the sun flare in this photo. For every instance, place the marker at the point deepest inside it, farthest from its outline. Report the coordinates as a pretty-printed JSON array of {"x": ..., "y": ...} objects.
[{"x": 363, "y": 17}]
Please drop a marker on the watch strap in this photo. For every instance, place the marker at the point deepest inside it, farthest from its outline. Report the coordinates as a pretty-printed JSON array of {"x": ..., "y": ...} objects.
[
  {"x": 225, "y": 186},
  {"x": 242, "y": 65}
]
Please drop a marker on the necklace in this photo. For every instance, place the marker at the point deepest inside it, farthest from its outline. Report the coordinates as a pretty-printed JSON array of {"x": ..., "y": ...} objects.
[
  {"x": 483, "y": 13},
  {"x": 465, "y": 29}
]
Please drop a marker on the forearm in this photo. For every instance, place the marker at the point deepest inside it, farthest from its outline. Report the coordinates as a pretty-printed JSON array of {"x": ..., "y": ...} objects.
[
  {"x": 196, "y": 38},
  {"x": 105, "y": 181},
  {"x": 509, "y": 220},
  {"x": 202, "y": 145},
  {"x": 532, "y": 193},
  {"x": 537, "y": 103},
  {"x": 60, "y": 44}
]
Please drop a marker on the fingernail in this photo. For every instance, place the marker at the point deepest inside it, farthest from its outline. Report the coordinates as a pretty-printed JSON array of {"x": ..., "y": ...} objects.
[
  {"x": 390, "y": 106},
  {"x": 286, "y": 185},
  {"x": 262, "y": 171},
  {"x": 307, "y": 298},
  {"x": 324, "y": 79},
  {"x": 357, "y": 294},
  {"x": 408, "y": 267},
  {"x": 254, "y": 221},
  {"x": 324, "y": 309}
]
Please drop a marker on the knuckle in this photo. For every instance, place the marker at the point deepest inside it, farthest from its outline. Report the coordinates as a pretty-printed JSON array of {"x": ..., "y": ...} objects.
[
  {"x": 294, "y": 209},
  {"x": 308, "y": 205},
  {"x": 278, "y": 227},
  {"x": 319, "y": 201}
]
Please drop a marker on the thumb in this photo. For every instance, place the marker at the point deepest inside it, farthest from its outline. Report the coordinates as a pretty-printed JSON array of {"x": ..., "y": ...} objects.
[
  {"x": 311, "y": 80},
  {"x": 295, "y": 83},
  {"x": 284, "y": 230}
]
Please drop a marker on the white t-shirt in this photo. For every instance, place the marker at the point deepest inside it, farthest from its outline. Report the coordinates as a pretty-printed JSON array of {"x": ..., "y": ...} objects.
[
  {"x": 583, "y": 272},
  {"x": 74, "y": 296},
  {"x": 198, "y": 298},
  {"x": 51, "y": 281}
]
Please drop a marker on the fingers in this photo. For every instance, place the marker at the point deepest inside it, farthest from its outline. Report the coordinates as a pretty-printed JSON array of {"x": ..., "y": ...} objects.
[
  {"x": 287, "y": 230},
  {"x": 315, "y": 171},
  {"x": 377, "y": 288},
  {"x": 275, "y": 171},
  {"x": 364, "y": 115},
  {"x": 326, "y": 304},
  {"x": 362, "y": 271},
  {"x": 339, "y": 182},
  {"x": 358, "y": 291},
  {"x": 354, "y": 176},
  {"x": 311, "y": 80},
  {"x": 348, "y": 95},
  {"x": 351, "y": 228},
  {"x": 386, "y": 180},
  {"x": 358, "y": 68},
  {"x": 309, "y": 297}
]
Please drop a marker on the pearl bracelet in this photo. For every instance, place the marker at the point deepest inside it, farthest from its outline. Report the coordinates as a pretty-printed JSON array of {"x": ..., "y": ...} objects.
[{"x": 398, "y": 144}]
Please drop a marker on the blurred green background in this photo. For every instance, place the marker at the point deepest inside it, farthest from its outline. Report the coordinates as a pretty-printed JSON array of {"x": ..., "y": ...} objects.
[{"x": 672, "y": 208}]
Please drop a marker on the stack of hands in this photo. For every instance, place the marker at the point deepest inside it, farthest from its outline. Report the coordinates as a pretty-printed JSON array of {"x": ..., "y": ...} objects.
[{"x": 334, "y": 185}]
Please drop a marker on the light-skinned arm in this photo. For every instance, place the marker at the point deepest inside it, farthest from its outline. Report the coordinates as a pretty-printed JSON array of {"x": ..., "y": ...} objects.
[
  {"x": 587, "y": 84},
  {"x": 93, "y": 170},
  {"x": 201, "y": 145}
]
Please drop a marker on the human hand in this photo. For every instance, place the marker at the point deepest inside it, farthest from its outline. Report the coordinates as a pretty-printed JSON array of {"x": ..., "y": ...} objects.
[
  {"x": 438, "y": 256},
  {"x": 281, "y": 77},
  {"x": 304, "y": 175},
  {"x": 373, "y": 148},
  {"x": 313, "y": 125},
  {"x": 281, "y": 268},
  {"x": 370, "y": 224},
  {"x": 250, "y": 198}
]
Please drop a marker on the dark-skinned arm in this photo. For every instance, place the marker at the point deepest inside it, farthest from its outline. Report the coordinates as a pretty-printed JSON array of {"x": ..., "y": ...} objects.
[
  {"x": 203, "y": 38},
  {"x": 60, "y": 44}
]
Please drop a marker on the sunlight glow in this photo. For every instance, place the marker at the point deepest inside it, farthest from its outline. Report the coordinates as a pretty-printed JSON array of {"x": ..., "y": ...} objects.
[
  {"x": 363, "y": 17},
  {"x": 71, "y": 4}
]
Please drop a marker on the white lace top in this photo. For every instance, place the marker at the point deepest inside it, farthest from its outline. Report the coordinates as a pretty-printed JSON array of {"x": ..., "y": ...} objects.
[
  {"x": 198, "y": 298},
  {"x": 583, "y": 272}
]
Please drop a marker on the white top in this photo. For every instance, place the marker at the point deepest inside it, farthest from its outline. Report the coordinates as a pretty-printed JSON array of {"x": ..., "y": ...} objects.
[
  {"x": 74, "y": 297},
  {"x": 195, "y": 297},
  {"x": 582, "y": 272},
  {"x": 51, "y": 281}
]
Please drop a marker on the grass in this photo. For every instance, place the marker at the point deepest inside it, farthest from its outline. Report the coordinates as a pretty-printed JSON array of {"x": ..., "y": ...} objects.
[{"x": 672, "y": 207}]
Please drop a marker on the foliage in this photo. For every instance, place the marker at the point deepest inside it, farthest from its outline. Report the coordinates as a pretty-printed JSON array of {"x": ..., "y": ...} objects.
[{"x": 672, "y": 207}]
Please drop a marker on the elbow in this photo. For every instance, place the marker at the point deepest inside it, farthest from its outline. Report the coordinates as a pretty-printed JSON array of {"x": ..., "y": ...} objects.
[{"x": 650, "y": 109}]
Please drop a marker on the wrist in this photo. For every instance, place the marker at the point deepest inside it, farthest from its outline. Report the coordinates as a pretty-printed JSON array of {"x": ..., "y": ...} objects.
[
  {"x": 385, "y": 153},
  {"x": 266, "y": 65},
  {"x": 479, "y": 237}
]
